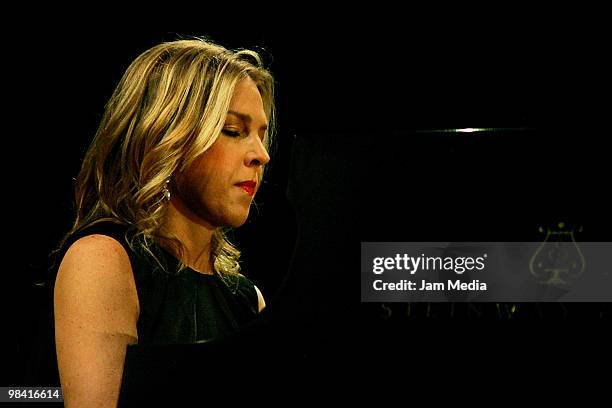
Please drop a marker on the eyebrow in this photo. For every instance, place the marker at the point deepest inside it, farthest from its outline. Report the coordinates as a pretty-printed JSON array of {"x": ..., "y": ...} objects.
[{"x": 247, "y": 118}]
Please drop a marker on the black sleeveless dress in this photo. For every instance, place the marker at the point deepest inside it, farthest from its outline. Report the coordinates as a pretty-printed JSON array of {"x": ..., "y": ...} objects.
[{"x": 175, "y": 308}]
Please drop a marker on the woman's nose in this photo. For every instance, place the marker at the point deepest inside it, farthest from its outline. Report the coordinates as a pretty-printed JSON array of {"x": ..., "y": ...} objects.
[{"x": 258, "y": 154}]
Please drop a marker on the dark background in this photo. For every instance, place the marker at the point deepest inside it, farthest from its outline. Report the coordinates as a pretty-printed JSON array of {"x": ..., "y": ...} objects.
[{"x": 357, "y": 87}]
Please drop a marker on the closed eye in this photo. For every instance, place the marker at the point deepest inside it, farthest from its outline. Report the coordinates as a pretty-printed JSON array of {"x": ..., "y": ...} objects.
[{"x": 231, "y": 133}]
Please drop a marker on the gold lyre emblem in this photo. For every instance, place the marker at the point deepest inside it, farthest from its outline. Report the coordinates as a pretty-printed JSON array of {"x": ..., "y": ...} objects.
[{"x": 558, "y": 261}]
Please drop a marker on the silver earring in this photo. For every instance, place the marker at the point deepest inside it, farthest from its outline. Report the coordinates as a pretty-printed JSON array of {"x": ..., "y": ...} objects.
[{"x": 166, "y": 190}]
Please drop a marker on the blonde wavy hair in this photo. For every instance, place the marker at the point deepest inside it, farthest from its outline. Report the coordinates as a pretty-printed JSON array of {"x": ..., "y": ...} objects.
[{"x": 168, "y": 108}]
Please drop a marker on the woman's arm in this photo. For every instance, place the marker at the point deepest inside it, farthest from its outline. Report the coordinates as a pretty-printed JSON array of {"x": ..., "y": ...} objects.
[{"x": 96, "y": 310}]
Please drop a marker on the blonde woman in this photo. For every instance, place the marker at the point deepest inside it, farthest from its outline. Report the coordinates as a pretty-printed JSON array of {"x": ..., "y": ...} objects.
[{"x": 178, "y": 156}]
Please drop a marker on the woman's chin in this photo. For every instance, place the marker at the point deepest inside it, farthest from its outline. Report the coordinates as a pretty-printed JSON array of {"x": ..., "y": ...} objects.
[{"x": 238, "y": 220}]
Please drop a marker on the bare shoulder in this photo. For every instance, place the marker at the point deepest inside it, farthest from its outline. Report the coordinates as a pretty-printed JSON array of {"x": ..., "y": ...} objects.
[
  {"x": 97, "y": 247},
  {"x": 261, "y": 303},
  {"x": 97, "y": 268}
]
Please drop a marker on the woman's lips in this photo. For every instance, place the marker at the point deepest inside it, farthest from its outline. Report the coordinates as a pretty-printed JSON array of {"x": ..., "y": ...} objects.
[{"x": 248, "y": 187}]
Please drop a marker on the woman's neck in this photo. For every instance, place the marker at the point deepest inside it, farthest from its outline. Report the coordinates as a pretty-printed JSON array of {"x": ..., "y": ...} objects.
[{"x": 194, "y": 233}]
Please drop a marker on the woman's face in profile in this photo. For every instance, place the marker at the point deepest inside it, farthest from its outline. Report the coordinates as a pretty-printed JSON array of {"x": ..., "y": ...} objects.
[{"x": 209, "y": 188}]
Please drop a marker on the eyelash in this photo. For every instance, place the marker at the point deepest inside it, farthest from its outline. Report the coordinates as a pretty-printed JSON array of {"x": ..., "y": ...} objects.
[{"x": 231, "y": 133}]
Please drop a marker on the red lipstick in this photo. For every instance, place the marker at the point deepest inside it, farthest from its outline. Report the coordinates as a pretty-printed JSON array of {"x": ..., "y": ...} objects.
[{"x": 248, "y": 186}]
